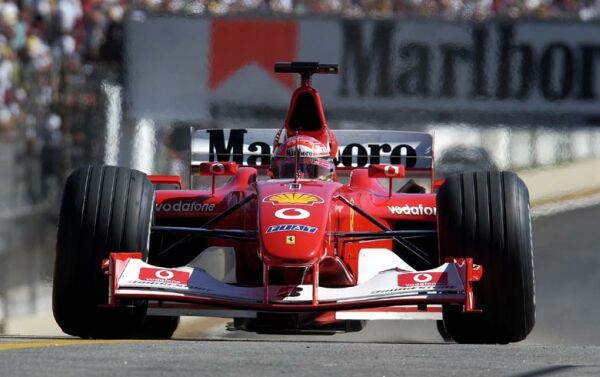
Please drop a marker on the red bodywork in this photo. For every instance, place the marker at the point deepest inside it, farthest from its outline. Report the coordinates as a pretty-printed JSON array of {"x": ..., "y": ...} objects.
[{"x": 297, "y": 227}]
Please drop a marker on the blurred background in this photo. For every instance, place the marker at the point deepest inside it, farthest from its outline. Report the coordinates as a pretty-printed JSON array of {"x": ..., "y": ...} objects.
[{"x": 507, "y": 84}]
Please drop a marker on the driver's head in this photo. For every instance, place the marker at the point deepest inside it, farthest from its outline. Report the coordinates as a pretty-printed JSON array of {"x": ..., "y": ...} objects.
[{"x": 313, "y": 158}]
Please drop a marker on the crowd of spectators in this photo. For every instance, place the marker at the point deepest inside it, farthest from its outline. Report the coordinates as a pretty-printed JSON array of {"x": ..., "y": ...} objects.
[
  {"x": 43, "y": 43},
  {"x": 45, "y": 46},
  {"x": 445, "y": 9},
  {"x": 49, "y": 49}
]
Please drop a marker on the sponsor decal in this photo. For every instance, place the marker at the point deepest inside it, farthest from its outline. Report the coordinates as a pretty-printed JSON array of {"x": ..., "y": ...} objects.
[
  {"x": 231, "y": 148},
  {"x": 313, "y": 149},
  {"x": 161, "y": 275},
  {"x": 237, "y": 43},
  {"x": 293, "y": 198},
  {"x": 290, "y": 240},
  {"x": 291, "y": 228},
  {"x": 501, "y": 62},
  {"x": 185, "y": 207},
  {"x": 302, "y": 153},
  {"x": 420, "y": 280},
  {"x": 292, "y": 214},
  {"x": 419, "y": 210}
]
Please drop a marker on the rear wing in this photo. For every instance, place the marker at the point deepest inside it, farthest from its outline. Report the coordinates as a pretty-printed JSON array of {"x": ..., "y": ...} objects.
[{"x": 356, "y": 148}]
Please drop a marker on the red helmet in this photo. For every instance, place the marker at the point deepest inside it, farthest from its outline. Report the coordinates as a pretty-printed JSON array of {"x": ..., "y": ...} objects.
[{"x": 314, "y": 161}]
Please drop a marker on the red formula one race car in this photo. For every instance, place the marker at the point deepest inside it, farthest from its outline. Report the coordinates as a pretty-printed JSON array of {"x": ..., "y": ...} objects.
[{"x": 312, "y": 232}]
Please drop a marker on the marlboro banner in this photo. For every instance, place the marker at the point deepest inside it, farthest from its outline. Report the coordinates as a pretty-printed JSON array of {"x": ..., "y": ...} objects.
[{"x": 181, "y": 67}]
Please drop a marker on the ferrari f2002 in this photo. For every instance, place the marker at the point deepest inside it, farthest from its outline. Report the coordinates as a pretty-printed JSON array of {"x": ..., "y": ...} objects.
[{"x": 316, "y": 231}]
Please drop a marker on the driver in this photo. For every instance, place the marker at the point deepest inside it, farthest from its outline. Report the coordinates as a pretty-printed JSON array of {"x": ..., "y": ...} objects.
[{"x": 313, "y": 162}]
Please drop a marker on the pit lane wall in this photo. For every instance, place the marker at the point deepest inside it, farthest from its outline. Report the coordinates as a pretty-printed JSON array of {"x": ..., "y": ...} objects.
[{"x": 191, "y": 68}]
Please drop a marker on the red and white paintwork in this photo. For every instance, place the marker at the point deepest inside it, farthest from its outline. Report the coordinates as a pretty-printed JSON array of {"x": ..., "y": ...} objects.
[
  {"x": 198, "y": 293},
  {"x": 316, "y": 210}
]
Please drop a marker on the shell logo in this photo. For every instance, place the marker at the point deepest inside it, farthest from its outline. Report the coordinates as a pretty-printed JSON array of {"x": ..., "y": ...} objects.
[{"x": 294, "y": 198}]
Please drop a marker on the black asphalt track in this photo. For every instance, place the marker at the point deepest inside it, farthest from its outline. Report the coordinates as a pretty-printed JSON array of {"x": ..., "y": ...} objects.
[{"x": 565, "y": 341}]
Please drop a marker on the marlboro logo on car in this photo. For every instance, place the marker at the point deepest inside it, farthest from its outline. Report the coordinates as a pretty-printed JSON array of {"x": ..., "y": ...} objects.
[{"x": 253, "y": 147}]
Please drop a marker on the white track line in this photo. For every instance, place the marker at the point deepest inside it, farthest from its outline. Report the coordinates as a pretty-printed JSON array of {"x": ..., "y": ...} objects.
[{"x": 565, "y": 205}]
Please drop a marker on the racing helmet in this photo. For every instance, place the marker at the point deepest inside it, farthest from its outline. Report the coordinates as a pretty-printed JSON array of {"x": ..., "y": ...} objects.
[{"x": 313, "y": 159}]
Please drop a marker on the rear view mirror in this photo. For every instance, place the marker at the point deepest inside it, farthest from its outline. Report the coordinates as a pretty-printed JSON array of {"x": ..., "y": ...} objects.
[
  {"x": 215, "y": 168},
  {"x": 387, "y": 171}
]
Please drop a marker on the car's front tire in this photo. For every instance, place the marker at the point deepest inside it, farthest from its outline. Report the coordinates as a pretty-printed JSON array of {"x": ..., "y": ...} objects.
[
  {"x": 485, "y": 216},
  {"x": 104, "y": 209}
]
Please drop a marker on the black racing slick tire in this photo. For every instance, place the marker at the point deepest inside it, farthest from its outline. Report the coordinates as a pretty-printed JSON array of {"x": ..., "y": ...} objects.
[
  {"x": 485, "y": 216},
  {"x": 158, "y": 327},
  {"x": 104, "y": 209}
]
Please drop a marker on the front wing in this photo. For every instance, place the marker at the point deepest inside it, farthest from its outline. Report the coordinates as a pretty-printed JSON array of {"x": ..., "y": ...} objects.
[{"x": 186, "y": 288}]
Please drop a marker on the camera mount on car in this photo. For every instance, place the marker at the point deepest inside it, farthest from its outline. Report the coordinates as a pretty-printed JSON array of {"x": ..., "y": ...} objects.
[{"x": 306, "y": 69}]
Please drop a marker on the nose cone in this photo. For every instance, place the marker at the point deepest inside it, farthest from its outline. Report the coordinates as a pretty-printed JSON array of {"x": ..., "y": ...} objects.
[{"x": 293, "y": 222}]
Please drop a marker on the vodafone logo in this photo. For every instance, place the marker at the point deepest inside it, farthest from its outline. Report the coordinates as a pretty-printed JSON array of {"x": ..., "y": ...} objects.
[
  {"x": 164, "y": 274},
  {"x": 292, "y": 214},
  {"x": 181, "y": 206},
  {"x": 419, "y": 210},
  {"x": 161, "y": 276},
  {"x": 423, "y": 280}
]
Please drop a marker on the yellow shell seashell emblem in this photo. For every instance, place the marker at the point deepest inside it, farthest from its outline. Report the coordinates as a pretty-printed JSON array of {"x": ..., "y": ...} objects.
[{"x": 294, "y": 198}]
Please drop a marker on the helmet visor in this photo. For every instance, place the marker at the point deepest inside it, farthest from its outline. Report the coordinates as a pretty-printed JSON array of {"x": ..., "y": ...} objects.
[{"x": 308, "y": 167}]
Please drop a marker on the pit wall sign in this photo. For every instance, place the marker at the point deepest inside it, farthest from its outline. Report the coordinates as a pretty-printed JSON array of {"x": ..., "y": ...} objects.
[{"x": 500, "y": 67}]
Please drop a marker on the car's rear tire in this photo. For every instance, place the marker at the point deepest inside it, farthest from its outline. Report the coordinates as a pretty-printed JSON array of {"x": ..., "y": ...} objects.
[
  {"x": 104, "y": 209},
  {"x": 485, "y": 216}
]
